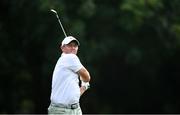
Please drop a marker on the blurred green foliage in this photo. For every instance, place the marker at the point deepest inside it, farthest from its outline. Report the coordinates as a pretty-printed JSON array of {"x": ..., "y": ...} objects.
[{"x": 131, "y": 48}]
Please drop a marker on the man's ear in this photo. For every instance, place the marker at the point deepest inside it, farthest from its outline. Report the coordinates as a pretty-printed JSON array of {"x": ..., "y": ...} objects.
[{"x": 62, "y": 48}]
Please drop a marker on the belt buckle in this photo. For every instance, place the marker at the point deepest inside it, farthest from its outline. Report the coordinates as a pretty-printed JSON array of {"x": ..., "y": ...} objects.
[{"x": 74, "y": 106}]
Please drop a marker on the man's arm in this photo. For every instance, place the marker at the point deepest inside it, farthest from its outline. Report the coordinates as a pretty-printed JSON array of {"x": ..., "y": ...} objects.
[
  {"x": 84, "y": 74},
  {"x": 82, "y": 90},
  {"x": 85, "y": 78}
]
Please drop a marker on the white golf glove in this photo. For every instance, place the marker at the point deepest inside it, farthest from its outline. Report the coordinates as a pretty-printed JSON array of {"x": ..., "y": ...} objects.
[{"x": 85, "y": 84}]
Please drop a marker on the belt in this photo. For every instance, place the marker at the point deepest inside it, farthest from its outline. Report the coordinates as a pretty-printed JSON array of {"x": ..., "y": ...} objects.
[{"x": 68, "y": 106}]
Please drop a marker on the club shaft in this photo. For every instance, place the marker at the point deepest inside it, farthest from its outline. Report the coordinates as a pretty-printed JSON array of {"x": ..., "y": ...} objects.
[
  {"x": 59, "y": 22},
  {"x": 61, "y": 25}
]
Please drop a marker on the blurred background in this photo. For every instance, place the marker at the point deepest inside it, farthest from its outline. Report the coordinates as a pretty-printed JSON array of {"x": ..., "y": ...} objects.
[{"x": 130, "y": 47}]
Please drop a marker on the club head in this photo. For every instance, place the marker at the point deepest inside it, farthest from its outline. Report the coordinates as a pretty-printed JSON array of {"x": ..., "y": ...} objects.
[{"x": 52, "y": 10}]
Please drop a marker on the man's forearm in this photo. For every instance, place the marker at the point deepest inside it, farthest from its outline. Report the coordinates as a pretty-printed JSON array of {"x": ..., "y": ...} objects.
[{"x": 82, "y": 89}]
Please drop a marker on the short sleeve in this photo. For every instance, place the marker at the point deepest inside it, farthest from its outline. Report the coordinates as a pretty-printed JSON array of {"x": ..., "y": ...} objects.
[{"x": 74, "y": 62}]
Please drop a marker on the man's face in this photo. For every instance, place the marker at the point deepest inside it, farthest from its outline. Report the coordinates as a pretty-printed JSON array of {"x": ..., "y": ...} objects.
[{"x": 72, "y": 47}]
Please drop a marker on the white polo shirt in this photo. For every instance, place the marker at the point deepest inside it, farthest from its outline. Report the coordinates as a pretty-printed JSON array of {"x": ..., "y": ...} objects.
[{"x": 65, "y": 82}]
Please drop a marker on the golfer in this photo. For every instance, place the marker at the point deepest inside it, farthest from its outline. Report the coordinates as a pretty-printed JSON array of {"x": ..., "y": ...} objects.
[{"x": 66, "y": 91}]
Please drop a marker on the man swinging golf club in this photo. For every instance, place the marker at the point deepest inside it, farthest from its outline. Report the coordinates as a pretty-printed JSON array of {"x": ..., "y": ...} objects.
[{"x": 66, "y": 92}]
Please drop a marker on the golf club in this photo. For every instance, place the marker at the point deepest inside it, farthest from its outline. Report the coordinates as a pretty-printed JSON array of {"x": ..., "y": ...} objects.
[{"x": 52, "y": 10}]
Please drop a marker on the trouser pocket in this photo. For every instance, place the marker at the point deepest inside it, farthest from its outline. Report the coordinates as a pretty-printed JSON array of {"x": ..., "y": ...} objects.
[{"x": 55, "y": 110}]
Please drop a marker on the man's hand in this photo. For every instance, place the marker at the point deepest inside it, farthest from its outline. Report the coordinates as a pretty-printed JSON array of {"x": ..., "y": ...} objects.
[{"x": 86, "y": 85}]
